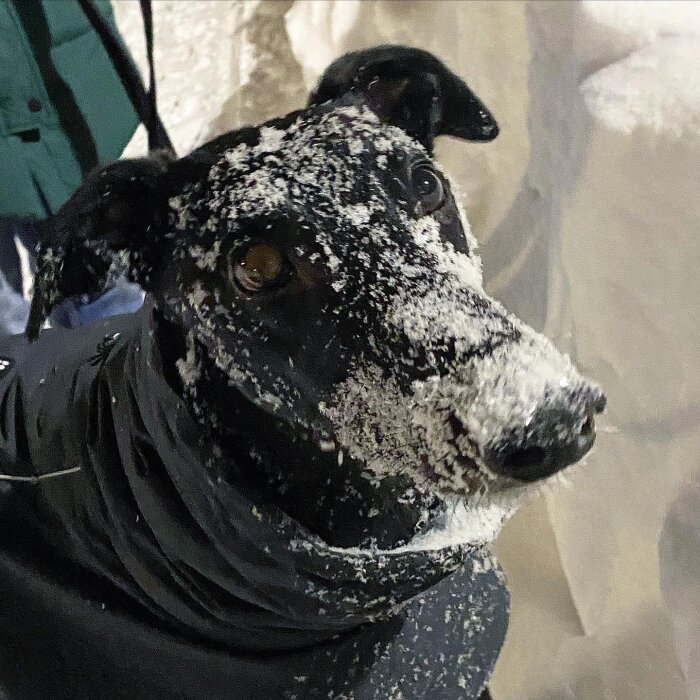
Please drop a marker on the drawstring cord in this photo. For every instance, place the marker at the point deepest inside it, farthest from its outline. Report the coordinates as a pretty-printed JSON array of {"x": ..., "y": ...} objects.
[{"x": 39, "y": 477}]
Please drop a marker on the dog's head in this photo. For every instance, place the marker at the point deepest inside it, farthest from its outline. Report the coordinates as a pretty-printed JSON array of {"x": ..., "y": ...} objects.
[{"x": 327, "y": 289}]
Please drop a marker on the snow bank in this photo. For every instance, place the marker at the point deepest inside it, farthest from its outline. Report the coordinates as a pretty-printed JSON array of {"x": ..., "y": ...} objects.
[
  {"x": 197, "y": 61},
  {"x": 611, "y": 217},
  {"x": 679, "y": 559}
]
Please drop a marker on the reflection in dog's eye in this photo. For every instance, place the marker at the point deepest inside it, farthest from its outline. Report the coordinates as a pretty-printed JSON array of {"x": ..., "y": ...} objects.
[
  {"x": 259, "y": 268},
  {"x": 428, "y": 189}
]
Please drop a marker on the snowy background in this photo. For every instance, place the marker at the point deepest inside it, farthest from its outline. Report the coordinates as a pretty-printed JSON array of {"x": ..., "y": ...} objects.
[{"x": 588, "y": 212}]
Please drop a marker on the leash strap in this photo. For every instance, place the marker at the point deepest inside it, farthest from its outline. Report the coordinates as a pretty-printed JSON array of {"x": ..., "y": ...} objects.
[
  {"x": 144, "y": 101},
  {"x": 147, "y": 14}
]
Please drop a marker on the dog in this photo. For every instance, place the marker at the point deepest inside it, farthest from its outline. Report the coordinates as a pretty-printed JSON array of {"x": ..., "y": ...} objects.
[{"x": 316, "y": 330}]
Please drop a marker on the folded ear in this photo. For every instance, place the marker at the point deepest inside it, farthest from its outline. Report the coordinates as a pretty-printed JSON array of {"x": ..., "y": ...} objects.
[
  {"x": 412, "y": 89},
  {"x": 112, "y": 226}
]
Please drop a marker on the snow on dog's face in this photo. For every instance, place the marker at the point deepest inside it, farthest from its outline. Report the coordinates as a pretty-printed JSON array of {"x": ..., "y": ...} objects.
[
  {"x": 321, "y": 265},
  {"x": 330, "y": 274}
]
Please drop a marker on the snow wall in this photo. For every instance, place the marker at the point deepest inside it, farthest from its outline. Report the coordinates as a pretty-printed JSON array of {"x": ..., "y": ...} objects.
[{"x": 588, "y": 212}]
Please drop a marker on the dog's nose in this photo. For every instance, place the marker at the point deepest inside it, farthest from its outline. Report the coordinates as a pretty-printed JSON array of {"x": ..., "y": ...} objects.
[{"x": 557, "y": 437}]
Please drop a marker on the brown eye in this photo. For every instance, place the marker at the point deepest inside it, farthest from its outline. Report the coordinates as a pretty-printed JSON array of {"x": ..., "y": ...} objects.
[
  {"x": 428, "y": 189},
  {"x": 260, "y": 268}
]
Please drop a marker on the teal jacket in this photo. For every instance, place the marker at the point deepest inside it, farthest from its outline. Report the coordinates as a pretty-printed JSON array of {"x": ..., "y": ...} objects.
[{"x": 63, "y": 109}]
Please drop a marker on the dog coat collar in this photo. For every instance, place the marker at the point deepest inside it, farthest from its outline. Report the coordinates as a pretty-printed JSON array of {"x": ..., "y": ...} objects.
[{"x": 193, "y": 565}]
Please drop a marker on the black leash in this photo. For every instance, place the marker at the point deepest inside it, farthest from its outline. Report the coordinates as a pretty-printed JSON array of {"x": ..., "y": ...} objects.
[
  {"x": 144, "y": 101},
  {"x": 153, "y": 119}
]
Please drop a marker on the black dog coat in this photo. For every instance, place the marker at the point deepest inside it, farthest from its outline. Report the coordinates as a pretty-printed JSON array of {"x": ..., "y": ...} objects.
[{"x": 180, "y": 586}]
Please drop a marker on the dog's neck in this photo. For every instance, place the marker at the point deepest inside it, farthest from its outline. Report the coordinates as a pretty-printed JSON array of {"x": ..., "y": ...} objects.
[{"x": 277, "y": 462}]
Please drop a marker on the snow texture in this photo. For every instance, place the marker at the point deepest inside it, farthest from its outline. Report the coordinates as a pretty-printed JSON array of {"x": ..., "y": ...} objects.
[
  {"x": 601, "y": 250},
  {"x": 679, "y": 563}
]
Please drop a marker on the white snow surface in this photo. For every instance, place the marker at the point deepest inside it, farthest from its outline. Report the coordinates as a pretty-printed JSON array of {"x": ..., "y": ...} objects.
[
  {"x": 603, "y": 252},
  {"x": 460, "y": 524},
  {"x": 624, "y": 99}
]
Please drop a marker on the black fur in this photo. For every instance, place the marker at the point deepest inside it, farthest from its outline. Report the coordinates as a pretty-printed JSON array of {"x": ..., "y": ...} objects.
[{"x": 411, "y": 89}]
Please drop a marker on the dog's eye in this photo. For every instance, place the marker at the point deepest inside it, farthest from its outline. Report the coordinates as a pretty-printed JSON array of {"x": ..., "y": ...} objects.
[
  {"x": 429, "y": 190},
  {"x": 259, "y": 268}
]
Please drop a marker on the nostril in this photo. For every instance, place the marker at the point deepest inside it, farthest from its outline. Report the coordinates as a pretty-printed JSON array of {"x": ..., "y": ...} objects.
[
  {"x": 588, "y": 427},
  {"x": 598, "y": 405},
  {"x": 557, "y": 437},
  {"x": 523, "y": 459},
  {"x": 595, "y": 405}
]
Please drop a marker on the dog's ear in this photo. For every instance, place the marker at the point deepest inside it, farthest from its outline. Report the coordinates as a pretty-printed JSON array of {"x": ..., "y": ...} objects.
[
  {"x": 113, "y": 225},
  {"x": 412, "y": 89}
]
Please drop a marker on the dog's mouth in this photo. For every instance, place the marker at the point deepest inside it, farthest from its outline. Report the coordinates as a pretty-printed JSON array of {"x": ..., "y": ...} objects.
[
  {"x": 445, "y": 514},
  {"x": 456, "y": 468},
  {"x": 468, "y": 475},
  {"x": 466, "y": 468}
]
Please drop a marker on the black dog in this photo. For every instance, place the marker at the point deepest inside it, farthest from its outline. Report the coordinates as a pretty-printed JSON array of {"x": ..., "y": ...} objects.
[{"x": 278, "y": 478}]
